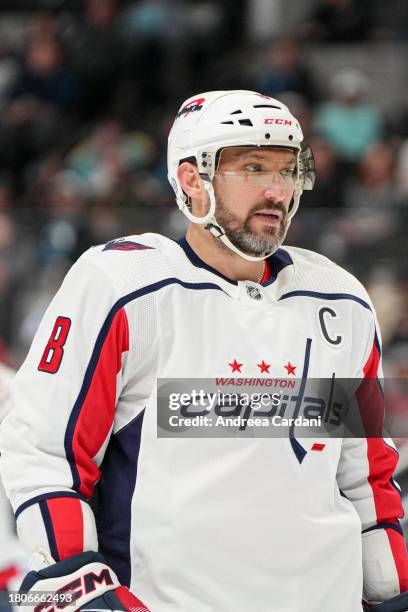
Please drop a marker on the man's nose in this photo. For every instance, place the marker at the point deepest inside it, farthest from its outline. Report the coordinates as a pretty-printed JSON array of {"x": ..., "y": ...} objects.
[{"x": 275, "y": 192}]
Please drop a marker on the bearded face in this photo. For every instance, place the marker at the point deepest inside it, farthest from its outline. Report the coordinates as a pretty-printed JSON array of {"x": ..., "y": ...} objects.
[{"x": 253, "y": 189}]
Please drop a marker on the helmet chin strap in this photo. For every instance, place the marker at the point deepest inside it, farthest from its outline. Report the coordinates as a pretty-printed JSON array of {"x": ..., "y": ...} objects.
[{"x": 216, "y": 230}]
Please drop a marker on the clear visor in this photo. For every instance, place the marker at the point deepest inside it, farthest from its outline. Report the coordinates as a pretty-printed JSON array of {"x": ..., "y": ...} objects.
[{"x": 257, "y": 167}]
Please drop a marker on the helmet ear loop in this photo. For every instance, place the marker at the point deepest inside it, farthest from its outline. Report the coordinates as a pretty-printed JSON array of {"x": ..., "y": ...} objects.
[
  {"x": 295, "y": 205},
  {"x": 184, "y": 203},
  {"x": 295, "y": 201},
  {"x": 297, "y": 192}
]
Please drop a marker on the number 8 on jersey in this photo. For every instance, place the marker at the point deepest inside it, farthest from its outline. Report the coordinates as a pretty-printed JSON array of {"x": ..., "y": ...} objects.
[{"x": 54, "y": 351}]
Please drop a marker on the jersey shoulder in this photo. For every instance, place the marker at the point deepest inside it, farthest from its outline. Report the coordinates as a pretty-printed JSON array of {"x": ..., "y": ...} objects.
[
  {"x": 316, "y": 273},
  {"x": 134, "y": 262}
]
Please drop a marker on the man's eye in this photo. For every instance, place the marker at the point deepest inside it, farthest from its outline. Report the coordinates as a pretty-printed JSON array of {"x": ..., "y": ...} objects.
[
  {"x": 288, "y": 172},
  {"x": 253, "y": 167}
]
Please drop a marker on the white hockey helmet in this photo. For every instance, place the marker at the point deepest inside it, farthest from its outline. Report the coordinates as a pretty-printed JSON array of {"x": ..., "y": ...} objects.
[{"x": 209, "y": 122}]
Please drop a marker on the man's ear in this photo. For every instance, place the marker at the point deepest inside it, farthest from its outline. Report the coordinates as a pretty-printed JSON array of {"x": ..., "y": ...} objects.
[
  {"x": 193, "y": 187},
  {"x": 189, "y": 179}
]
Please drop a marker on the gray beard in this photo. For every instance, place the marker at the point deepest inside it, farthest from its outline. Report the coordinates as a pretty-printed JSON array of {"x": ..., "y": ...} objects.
[{"x": 244, "y": 239}]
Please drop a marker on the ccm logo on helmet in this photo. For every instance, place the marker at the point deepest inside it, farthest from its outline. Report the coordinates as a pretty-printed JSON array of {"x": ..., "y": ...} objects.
[
  {"x": 77, "y": 588},
  {"x": 278, "y": 121},
  {"x": 191, "y": 107}
]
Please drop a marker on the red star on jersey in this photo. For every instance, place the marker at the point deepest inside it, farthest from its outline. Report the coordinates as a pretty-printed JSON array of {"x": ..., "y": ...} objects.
[
  {"x": 290, "y": 368},
  {"x": 264, "y": 367},
  {"x": 236, "y": 367}
]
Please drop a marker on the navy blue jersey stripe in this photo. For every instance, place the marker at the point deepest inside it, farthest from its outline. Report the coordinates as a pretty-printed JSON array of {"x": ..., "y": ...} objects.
[
  {"x": 326, "y": 296},
  {"x": 398, "y": 490},
  {"x": 69, "y": 434},
  {"x": 298, "y": 449},
  {"x": 39, "y": 498},
  {"x": 394, "y": 526},
  {"x": 277, "y": 262},
  {"x": 199, "y": 263},
  {"x": 377, "y": 343},
  {"x": 114, "y": 494},
  {"x": 49, "y": 528}
]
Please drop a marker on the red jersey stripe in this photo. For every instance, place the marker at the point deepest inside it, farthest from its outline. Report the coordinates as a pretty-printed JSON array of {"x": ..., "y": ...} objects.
[
  {"x": 67, "y": 521},
  {"x": 98, "y": 408},
  {"x": 370, "y": 397},
  {"x": 382, "y": 463},
  {"x": 382, "y": 459}
]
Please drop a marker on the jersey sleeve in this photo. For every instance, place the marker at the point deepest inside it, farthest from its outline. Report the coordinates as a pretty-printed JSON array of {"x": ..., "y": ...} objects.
[
  {"x": 63, "y": 407},
  {"x": 365, "y": 478}
]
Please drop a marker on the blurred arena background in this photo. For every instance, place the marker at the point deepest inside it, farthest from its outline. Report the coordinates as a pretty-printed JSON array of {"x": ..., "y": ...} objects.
[{"x": 88, "y": 89}]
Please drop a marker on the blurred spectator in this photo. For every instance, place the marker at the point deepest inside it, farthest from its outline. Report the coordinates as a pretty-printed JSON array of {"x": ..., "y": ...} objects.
[
  {"x": 301, "y": 109},
  {"x": 206, "y": 42},
  {"x": 34, "y": 298},
  {"x": 45, "y": 78},
  {"x": 374, "y": 187},
  {"x": 41, "y": 100},
  {"x": 96, "y": 46},
  {"x": 349, "y": 121},
  {"x": 181, "y": 58},
  {"x": 110, "y": 155},
  {"x": 340, "y": 21},
  {"x": 284, "y": 69},
  {"x": 64, "y": 235},
  {"x": 148, "y": 43},
  {"x": 14, "y": 265},
  {"x": 372, "y": 200},
  {"x": 148, "y": 19}
]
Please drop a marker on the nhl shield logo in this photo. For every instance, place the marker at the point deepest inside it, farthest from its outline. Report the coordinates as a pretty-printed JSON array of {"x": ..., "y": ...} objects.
[{"x": 254, "y": 292}]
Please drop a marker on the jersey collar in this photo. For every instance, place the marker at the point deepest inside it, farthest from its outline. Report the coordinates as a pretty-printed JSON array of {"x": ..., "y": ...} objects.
[{"x": 277, "y": 262}]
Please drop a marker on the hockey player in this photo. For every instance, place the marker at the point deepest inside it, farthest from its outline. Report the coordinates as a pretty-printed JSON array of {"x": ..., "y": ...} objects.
[{"x": 211, "y": 524}]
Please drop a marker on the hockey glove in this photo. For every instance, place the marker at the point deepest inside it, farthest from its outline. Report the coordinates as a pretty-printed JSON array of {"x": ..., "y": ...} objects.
[
  {"x": 83, "y": 581},
  {"x": 399, "y": 603}
]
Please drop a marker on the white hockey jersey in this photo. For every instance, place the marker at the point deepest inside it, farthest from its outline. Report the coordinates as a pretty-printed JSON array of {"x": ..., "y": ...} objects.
[{"x": 201, "y": 525}]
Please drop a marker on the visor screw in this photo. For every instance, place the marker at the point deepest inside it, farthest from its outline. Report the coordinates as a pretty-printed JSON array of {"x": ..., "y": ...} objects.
[
  {"x": 204, "y": 164},
  {"x": 267, "y": 136},
  {"x": 204, "y": 154},
  {"x": 290, "y": 137}
]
